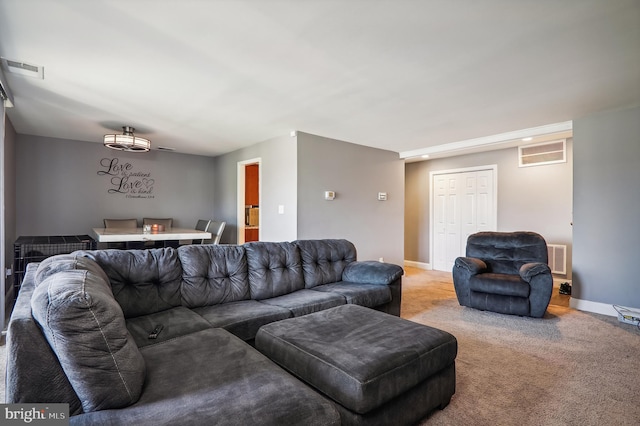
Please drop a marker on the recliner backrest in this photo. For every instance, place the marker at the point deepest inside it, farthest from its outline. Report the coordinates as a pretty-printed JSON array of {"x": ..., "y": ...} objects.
[{"x": 506, "y": 252}]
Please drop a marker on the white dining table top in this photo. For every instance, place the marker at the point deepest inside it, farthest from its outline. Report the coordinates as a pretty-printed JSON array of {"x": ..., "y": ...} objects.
[{"x": 116, "y": 235}]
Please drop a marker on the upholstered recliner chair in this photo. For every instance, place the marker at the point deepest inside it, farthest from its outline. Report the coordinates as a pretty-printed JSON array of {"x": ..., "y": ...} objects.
[{"x": 505, "y": 272}]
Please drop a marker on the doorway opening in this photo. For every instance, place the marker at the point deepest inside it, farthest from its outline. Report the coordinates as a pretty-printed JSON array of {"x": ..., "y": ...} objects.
[{"x": 249, "y": 184}]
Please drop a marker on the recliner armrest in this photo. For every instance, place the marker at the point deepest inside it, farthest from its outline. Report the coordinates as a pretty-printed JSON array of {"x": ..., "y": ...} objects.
[
  {"x": 530, "y": 270},
  {"x": 371, "y": 272},
  {"x": 471, "y": 264}
]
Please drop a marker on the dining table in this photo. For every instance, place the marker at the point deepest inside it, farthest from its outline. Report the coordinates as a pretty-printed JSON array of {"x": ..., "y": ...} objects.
[{"x": 120, "y": 235}]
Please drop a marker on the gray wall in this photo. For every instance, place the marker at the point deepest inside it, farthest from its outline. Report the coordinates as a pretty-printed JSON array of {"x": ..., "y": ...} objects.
[
  {"x": 9, "y": 172},
  {"x": 295, "y": 172},
  {"x": 535, "y": 198},
  {"x": 7, "y": 144},
  {"x": 277, "y": 187},
  {"x": 606, "y": 205},
  {"x": 60, "y": 190},
  {"x": 356, "y": 173}
]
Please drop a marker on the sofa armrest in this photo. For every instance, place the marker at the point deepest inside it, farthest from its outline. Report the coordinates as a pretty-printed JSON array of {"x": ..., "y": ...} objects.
[
  {"x": 372, "y": 272},
  {"x": 471, "y": 264},
  {"x": 530, "y": 270}
]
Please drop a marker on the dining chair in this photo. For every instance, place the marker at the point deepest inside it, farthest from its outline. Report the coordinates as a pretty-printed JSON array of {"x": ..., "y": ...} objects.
[
  {"x": 122, "y": 223},
  {"x": 202, "y": 225},
  {"x": 216, "y": 228}
]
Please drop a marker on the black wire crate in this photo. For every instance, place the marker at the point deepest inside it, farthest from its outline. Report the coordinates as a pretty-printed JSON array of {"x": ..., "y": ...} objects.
[{"x": 36, "y": 249}]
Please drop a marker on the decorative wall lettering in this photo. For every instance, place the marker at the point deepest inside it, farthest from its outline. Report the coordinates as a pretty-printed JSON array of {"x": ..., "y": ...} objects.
[{"x": 124, "y": 179}]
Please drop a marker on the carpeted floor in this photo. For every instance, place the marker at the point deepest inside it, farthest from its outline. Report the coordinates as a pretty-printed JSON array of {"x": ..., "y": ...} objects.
[{"x": 568, "y": 368}]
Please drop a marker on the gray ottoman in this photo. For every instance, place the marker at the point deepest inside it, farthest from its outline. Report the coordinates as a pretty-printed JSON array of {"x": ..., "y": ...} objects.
[{"x": 378, "y": 368}]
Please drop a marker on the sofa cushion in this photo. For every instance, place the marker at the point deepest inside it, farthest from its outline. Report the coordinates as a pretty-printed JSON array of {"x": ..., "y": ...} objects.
[
  {"x": 85, "y": 327},
  {"x": 369, "y": 295},
  {"x": 504, "y": 284},
  {"x": 212, "y": 377},
  {"x": 242, "y": 318},
  {"x": 176, "y": 322},
  {"x": 213, "y": 274},
  {"x": 303, "y": 302},
  {"x": 274, "y": 269},
  {"x": 143, "y": 281},
  {"x": 323, "y": 261},
  {"x": 64, "y": 262}
]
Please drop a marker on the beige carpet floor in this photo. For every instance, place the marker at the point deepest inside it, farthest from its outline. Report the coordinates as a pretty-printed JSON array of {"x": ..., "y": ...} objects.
[{"x": 568, "y": 368}]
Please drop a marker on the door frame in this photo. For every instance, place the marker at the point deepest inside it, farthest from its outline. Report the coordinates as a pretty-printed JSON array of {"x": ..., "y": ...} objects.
[
  {"x": 433, "y": 174},
  {"x": 240, "y": 196}
]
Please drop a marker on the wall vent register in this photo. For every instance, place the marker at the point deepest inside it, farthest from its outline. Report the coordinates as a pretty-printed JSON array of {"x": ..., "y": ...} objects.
[{"x": 543, "y": 153}]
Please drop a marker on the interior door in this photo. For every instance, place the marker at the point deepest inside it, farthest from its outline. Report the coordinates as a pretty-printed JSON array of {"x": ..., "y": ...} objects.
[{"x": 462, "y": 203}]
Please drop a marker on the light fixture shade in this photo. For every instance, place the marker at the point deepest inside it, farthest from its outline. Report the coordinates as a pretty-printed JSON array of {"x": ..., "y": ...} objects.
[{"x": 127, "y": 141}]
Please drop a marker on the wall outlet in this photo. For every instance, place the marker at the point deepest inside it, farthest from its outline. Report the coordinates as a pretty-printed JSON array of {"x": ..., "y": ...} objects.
[
  {"x": 8, "y": 272},
  {"x": 381, "y": 259}
]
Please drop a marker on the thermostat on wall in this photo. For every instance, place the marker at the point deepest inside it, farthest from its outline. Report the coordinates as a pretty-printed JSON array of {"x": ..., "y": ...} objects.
[{"x": 329, "y": 195}]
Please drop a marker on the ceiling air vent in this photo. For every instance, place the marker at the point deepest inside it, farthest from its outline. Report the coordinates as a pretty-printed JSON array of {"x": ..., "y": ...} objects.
[
  {"x": 543, "y": 153},
  {"x": 22, "y": 68}
]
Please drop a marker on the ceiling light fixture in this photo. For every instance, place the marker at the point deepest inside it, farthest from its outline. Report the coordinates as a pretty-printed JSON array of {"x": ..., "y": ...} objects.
[
  {"x": 127, "y": 141},
  {"x": 527, "y": 139}
]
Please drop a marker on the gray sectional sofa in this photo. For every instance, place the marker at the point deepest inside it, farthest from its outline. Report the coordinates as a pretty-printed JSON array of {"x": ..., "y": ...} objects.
[{"x": 80, "y": 330}]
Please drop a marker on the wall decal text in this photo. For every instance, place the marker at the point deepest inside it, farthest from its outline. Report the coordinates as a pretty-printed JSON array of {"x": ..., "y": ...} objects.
[{"x": 124, "y": 179}]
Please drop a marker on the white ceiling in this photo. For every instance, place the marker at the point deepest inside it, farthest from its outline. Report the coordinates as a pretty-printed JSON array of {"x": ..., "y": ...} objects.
[{"x": 209, "y": 77}]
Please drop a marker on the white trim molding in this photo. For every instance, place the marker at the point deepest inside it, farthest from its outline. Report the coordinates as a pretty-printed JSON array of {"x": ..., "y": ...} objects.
[
  {"x": 502, "y": 140},
  {"x": 594, "y": 307},
  {"x": 419, "y": 265}
]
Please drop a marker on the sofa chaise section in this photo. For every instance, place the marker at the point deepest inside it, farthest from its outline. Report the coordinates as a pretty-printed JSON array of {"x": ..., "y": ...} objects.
[{"x": 213, "y": 377}]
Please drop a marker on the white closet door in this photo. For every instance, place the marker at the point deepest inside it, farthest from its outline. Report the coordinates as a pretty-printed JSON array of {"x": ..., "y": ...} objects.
[{"x": 463, "y": 203}]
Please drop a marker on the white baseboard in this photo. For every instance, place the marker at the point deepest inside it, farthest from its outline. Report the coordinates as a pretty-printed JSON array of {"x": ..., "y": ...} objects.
[
  {"x": 420, "y": 265},
  {"x": 595, "y": 307}
]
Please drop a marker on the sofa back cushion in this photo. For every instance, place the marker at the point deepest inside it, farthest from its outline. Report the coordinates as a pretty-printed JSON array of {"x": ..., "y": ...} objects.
[
  {"x": 324, "y": 260},
  {"x": 86, "y": 329},
  {"x": 143, "y": 281},
  {"x": 274, "y": 269},
  {"x": 506, "y": 252},
  {"x": 213, "y": 274}
]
